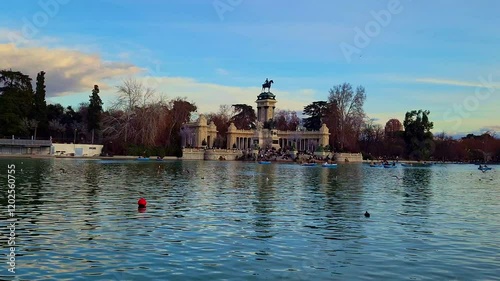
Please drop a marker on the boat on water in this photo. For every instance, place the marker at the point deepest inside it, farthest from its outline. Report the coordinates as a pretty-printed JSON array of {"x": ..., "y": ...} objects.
[
  {"x": 264, "y": 162},
  {"x": 376, "y": 165},
  {"x": 390, "y": 166},
  {"x": 142, "y": 159},
  {"x": 308, "y": 164},
  {"x": 484, "y": 168},
  {"x": 329, "y": 165}
]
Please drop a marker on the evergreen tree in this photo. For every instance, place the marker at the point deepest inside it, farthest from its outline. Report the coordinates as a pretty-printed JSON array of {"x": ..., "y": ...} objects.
[
  {"x": 16, "y": 100},
  {"x": 40, "y": 106},
  {"x": 94, "y": 112},
  {"x": 418, "y": 137},
  {"x": 316, "y": 111},
  {"x": 245, "y": 117}
]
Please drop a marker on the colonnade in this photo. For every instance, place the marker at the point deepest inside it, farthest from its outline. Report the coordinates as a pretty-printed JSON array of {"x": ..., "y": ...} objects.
[
  {"x": 301, "y": 144},
  {"x": 243, "y": 143}
]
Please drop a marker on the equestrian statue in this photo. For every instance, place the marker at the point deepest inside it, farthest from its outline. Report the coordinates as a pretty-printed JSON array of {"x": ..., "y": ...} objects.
[{"x": 267, "y": 85}]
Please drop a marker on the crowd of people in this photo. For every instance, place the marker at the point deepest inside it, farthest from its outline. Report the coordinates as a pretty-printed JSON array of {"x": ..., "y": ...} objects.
[{"x": 273, "y": 154}]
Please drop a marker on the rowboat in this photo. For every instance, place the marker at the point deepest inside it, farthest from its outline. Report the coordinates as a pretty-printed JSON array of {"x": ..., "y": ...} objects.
[
  {"x": 328, "y": 165},
  {"x": 308, "y": 164},
  {"x": 264, "y": 162},
  {"x": 484, "y": 168}
]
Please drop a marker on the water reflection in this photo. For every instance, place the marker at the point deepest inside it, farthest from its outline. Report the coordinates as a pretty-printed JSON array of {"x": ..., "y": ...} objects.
[
  {"x": 213, "y": 220},
  {"x": 264, "y": 203},
  {"x": 344, "y": 195},
  {"x": 417, "y": 191}
]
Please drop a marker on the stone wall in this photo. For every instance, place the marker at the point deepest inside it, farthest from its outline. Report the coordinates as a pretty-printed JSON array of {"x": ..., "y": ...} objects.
[
  {"x": 323, "y": 154},
  {"x": 351, "y": 157},
  {"x": 227, "y": 154},
  {"x": 24, "y": 150},
  {"x": 193, "y": 154},
  {"x": 210, "y": 154}
]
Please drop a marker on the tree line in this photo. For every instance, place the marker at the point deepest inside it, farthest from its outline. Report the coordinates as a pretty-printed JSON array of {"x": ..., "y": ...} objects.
[
  {"x": 139, "y": 122},
  {"x": 135, "y": 123},
  {"x": 24, "y": 112}
]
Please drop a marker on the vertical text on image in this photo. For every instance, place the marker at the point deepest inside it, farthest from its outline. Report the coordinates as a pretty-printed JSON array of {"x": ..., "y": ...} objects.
[{"x": 11, "y": 209}]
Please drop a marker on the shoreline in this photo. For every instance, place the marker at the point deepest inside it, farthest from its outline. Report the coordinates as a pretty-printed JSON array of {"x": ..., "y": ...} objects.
[
  {"x": 117, "y": 157},
  {"x": 154, "y": 158}
]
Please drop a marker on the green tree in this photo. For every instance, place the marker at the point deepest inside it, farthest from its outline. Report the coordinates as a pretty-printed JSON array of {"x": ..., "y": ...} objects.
[
  {"x": 316, "y": 112},
  {"x": 16, "y": 100},
  {"x": 417, "y": 136},
  {"x": 94, "y": 112},
  {"x": 244, "y": 117},
  {"x": 55, "y": 111},
  {"x": 72, "y": 121},
  {"x": 40, "y": 106}
]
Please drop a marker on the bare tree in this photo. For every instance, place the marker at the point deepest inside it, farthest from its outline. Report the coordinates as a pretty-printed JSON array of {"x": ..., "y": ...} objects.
[
  {"x": 31, "y": 125},
  {"x": 150, "y": 123},
  {"x": 141, "y": 117},
  {"x": 132, "y": 94},
  {"x": 348, "y": 110},
  {"x": 57, "y": 126},
  {"x": 286, "y": 120}
]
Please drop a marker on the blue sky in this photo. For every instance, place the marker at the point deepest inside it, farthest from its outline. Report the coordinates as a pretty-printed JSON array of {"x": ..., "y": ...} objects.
[{"x": 432, "y": 55}]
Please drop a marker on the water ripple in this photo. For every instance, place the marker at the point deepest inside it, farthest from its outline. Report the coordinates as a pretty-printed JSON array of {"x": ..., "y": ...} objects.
[{"x": 244, "y": 221}]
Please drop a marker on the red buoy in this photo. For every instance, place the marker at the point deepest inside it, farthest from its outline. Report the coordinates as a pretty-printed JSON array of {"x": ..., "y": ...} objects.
[{"x": 142, "y": 203}]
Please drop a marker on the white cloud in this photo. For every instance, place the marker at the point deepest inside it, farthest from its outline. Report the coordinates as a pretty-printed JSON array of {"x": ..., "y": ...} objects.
[
  {"x": 67, "y": 71},
  {"x": 70, "y": 74},
  {"x": 479, "y": 84},
  {"x": 209, "y": 96},
  {"x": 494, "y": 129}
]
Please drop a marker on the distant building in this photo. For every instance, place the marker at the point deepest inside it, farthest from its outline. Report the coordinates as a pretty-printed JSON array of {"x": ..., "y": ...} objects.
[
  {"x": 22, "y": 146},
  {"x": 392, "y": 127},
  {"x": 200, "y": 132},
  {"x": 47, "y": 147}
]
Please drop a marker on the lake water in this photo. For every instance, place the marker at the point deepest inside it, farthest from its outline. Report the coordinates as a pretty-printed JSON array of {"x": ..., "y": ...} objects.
[{"x": 218, "y": 220}]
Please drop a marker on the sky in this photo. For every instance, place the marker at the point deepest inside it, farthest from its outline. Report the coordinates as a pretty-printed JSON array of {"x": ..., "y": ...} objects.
[{"x": 439, "y": 55}]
